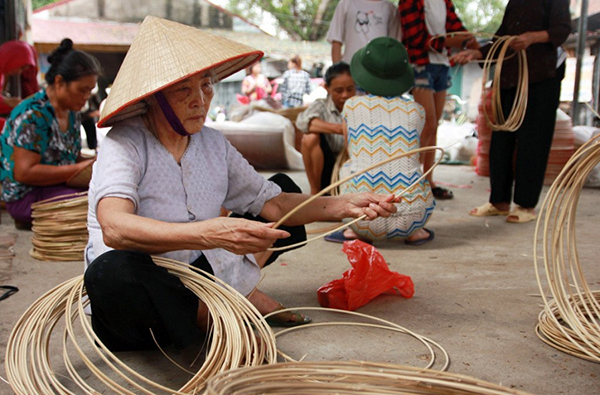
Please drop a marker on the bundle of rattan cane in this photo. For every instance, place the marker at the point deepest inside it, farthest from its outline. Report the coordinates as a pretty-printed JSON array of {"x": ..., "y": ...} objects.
[
  {"x": 496, "y": 57},
  {"x": 570, "y": 320},
  {"x": 60, "y": 228},
  {"x": 238, "y": 337},
  {"x": 347, "y": 378}
]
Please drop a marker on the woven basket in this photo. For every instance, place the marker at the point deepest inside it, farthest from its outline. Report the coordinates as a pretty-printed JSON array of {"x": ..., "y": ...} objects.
[
  {"x": 60, "y": 228},
  {"x": 82, "y": 178}
]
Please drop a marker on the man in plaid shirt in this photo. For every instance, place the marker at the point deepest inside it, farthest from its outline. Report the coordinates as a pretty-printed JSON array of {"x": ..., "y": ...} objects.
[{"x": 425, "y": 25}]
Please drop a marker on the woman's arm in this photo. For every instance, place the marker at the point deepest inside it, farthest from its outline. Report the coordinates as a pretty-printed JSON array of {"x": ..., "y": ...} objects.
[
  {"x": 123, "y": 229},
  {"x": 29, "y": 171},
  {"x": 328, "y": 208}
]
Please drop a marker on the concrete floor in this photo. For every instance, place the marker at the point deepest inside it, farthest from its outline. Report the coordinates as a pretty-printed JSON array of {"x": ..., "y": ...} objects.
[{"x": 475, "y": 294}]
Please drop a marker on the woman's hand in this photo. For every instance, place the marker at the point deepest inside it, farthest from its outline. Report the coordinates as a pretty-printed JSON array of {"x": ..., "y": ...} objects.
[
  {"x": 240, "y": 236},
  {"x": 371, "y": 204},
  {"x": 523, "y": 41},
  {"x": 466, "y": 56}
]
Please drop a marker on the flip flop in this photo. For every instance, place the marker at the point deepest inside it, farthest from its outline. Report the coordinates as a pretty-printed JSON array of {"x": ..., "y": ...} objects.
[
  {"x": 421, "y": 241},
  {"x": 487, "y": 210},
  {"x": 338, "y": 237},
  {"x": 441, "y": 193},
  {"x": 522, "y": 216},
  {"x": 9, "y": 290},
  {"x": 287, "y": 319}
]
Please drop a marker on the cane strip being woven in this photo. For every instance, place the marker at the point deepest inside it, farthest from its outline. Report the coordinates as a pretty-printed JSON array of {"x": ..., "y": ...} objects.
[
  {"x": 570, "y": 321},
  {"x": 355, "y": 377},
  {"x": 239, "y": 336}
]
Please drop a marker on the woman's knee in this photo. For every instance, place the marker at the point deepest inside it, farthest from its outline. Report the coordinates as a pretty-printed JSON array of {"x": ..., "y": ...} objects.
[
  {"x": 116, "y": 268},
  {"x": 285, "y": 183}
]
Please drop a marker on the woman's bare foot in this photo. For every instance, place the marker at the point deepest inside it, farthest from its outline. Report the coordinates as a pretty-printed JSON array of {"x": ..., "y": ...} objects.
[
  {"x": 350, "y": 234},
  {"x": 263, "y": 302},
  {"x": 501, "y": 207},
  {"x": 521, "y": 215},
  {"x": 420, "y": 237},
  {"x": 419, "y": 234},
  {"x": 266, "y": 304}
]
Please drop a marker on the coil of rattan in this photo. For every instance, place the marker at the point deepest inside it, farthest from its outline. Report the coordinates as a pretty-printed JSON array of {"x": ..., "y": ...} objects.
[
  {"x": 378, "y": 323},
  {"x": 495, "y": 58},
  {"x": 238, "y": 337},
  {"x": 60, "y": 228},
  {"x": 348, "y": 378},
  {"x": 570, "y": 320}
]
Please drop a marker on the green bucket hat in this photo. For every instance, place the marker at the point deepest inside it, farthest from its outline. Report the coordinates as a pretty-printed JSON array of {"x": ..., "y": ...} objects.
[{"x": 382, "y": 68}]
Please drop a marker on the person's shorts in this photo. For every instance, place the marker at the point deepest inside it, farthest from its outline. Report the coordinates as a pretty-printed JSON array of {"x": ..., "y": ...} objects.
[{"x": 435, "y": 77}]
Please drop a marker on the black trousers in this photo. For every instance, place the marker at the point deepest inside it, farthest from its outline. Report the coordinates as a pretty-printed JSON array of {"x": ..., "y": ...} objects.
[
  {"x": 528, "y": 148},
  {"x": 130, "y": 295},
  {"x": 328, "y": 162}
]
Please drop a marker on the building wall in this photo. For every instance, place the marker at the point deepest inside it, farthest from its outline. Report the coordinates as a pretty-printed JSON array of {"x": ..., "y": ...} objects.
[{"x": 198, "y": 13}]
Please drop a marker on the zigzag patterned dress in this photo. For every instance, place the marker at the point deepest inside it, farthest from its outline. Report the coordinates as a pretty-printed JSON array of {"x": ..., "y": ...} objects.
[{"x": 378, "y": 128}]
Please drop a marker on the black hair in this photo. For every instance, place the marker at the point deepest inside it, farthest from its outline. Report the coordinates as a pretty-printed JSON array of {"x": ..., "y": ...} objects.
[
  {"x": 71, "y": 63},
  {"x": 335, "y": 70}
]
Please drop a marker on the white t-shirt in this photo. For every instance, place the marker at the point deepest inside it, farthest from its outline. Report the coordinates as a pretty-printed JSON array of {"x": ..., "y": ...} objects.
[
  {"x": 134, "y": 165},
  {"x": 356, "y": 22},
  {"x": 435, "y": 19}
]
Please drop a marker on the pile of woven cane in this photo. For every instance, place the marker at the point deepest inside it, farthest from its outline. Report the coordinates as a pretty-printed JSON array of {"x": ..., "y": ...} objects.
[
  {"x": 60, "y": 228},
  {"x": 570, "y": 321}
]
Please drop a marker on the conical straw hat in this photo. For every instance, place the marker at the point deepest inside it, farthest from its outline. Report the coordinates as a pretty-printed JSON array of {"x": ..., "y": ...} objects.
[{"x": 163, "y": 53}]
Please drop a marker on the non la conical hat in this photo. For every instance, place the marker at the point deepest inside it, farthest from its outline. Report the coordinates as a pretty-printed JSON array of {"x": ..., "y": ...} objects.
[{"x": 163, "y": 53}]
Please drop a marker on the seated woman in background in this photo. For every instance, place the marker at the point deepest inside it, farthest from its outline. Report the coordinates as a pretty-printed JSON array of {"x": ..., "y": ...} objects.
[
  {"x": 382, "y": 124},
  {"x": 41, "y": 140},
  {"x": 321, "y": 124}
]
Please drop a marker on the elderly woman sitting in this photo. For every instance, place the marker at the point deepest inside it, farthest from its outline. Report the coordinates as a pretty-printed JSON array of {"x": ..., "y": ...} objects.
[{"x": 158, "y": 186}]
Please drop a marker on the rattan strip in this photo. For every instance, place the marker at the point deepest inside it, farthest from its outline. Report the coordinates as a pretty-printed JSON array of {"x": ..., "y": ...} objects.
[
  {"x": 383, "y": 324},
  {"x": 570, "y": 321},
  {"x": 350, "y": 177},
  {"x": 57, "y": 219},
  {"x": 349, "y": 378},
  {"x": 238, "y": 336}
]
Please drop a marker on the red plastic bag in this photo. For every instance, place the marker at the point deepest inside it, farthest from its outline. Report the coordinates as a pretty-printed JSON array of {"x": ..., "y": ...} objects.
[{"x": 368, "y": 278}]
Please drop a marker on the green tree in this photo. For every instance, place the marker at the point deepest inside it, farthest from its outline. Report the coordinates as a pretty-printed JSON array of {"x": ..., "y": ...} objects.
[
  {"x": 35, "y": 4},
  {"x": 482, "y": 16},
  {"x": 300, "y": 19},
  {"x": 309, "y": 19}
]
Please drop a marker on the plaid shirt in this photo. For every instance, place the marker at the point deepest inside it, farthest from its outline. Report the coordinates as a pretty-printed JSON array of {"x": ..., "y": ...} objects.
[
  {"x": 415, "y": 35},
  {"x": 295, "y": 84}
]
